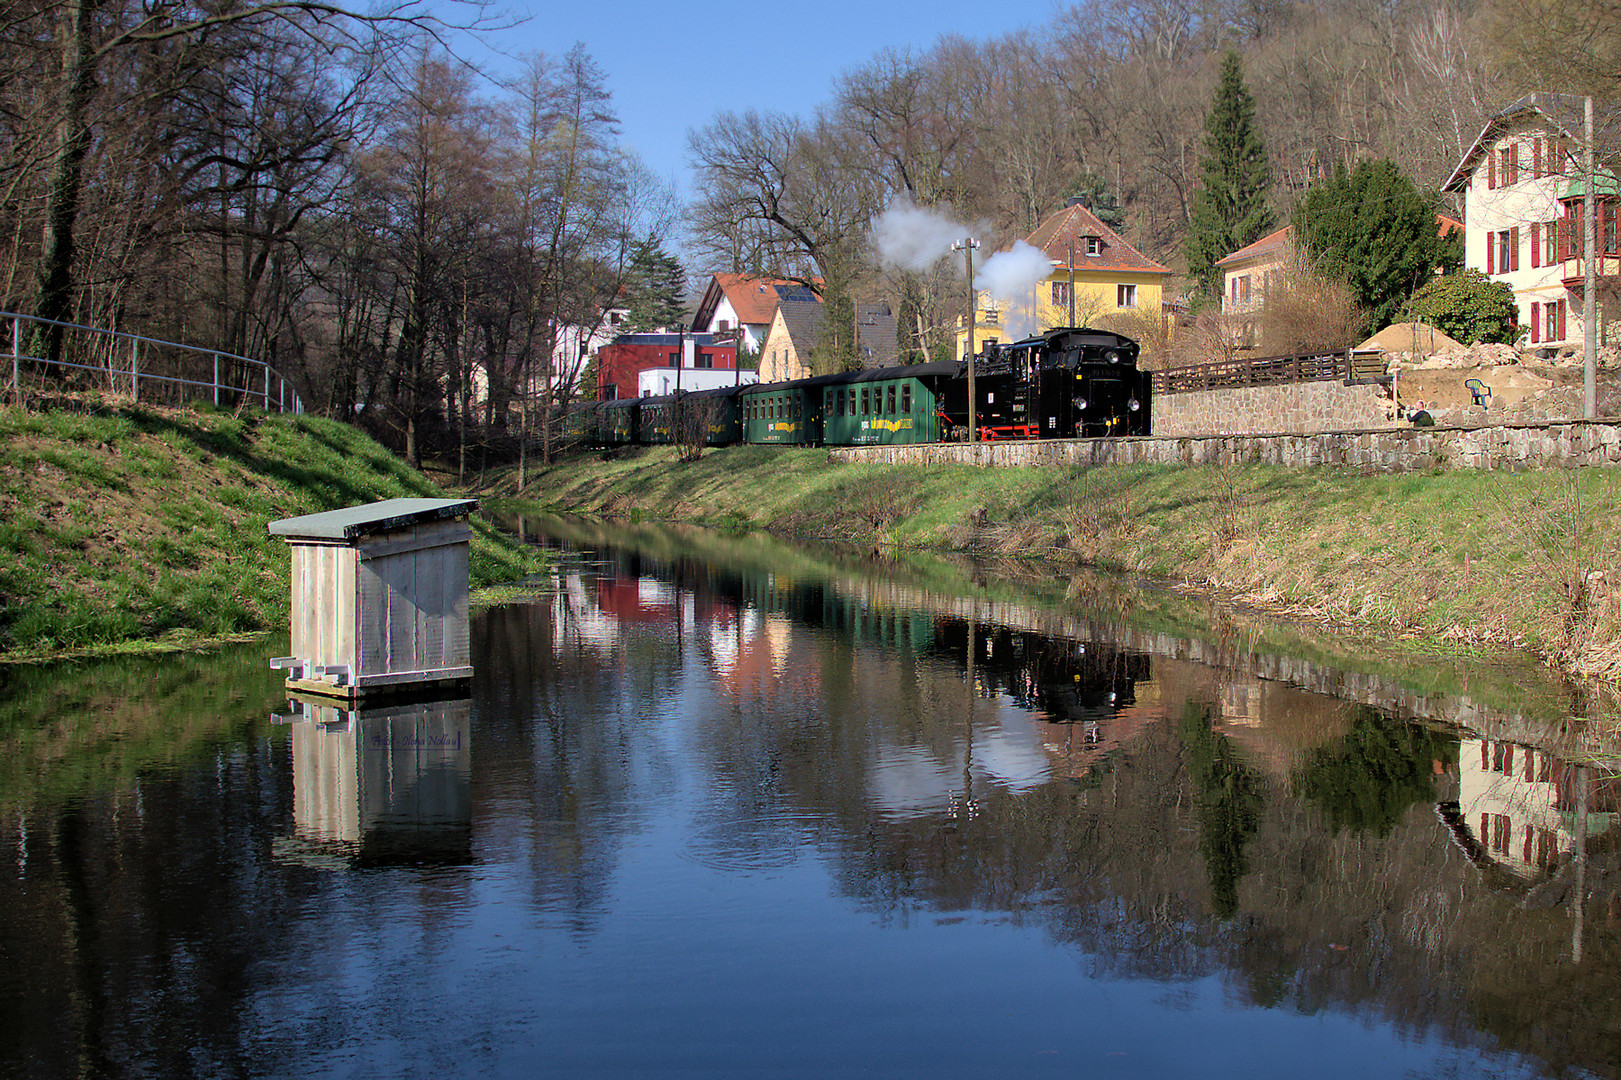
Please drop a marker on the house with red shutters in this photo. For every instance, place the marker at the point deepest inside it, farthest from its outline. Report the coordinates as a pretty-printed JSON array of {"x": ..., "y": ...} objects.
[{"x": 1523, "y": 189}]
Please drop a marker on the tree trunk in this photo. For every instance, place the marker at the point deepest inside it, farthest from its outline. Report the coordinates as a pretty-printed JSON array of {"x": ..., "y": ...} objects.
[{"x": 78, "y": 85}]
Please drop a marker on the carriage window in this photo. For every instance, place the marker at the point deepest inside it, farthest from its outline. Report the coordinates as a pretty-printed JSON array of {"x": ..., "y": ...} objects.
[
  {"x": 866, "y": 401},
  {"x": 906, "y": 399},
  {"x": 799, "y": 408},
  {"x": 851, "y": 409},
  {"x": 889, "y": 400}
]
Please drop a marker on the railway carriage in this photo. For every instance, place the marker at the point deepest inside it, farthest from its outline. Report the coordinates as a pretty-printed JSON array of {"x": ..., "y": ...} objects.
[
  {"x": 785, "y": 413},
  {"x": 619, "y": 421},
  {"x": 886, "y": 406},
  {"x": 719, "y": 412}
]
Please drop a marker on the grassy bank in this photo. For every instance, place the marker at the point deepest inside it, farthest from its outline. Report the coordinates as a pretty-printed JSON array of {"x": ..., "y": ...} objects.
[
  {"x": 1519, "y": 559},
  {"x": 123, "y": 526}
]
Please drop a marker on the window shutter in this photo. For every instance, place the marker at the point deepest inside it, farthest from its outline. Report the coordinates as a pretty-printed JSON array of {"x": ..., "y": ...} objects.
[
  {"x": 1491, "y": 263},
  {"x": 1514, "y": 248},
  {"x": 1559, "y": 308},
  {"x": 1535, "y": 311},
  {"x": 1536, "y": 242},
  {"x": 1536, "y": 155},
  {"x": 1491, "y": 170},
  {"x": 1513, "y": 162}
]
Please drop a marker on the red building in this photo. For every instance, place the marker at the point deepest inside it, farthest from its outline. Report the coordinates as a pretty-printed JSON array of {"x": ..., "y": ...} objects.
[{"x": 620, "y": 362}]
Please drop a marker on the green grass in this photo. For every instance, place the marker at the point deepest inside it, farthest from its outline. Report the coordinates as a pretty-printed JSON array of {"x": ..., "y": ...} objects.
[
  {"x": 135, "y": 524},
  {"x": 1457, "y": 555}
]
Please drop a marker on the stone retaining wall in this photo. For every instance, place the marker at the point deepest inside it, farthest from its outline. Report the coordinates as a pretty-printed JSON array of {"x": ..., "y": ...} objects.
[
  {"x": 1405, "y": 449},
  {"x": 1293, "y": 407}
]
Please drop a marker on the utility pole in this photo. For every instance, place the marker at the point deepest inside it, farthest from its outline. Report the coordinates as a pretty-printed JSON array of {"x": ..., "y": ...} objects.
[
  {"x": 1072, "y": 283},
  {"x": 967, "y": 246},
  {"x": 1589, "y": 275}
]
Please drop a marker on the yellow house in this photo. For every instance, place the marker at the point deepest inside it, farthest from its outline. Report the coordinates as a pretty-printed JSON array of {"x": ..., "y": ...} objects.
[{"x": 1106, "y": 277}]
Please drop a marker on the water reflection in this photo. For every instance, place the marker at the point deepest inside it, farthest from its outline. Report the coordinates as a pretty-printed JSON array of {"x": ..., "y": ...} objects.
[
  {"x": 715, "y": 805},
  {"x": 381, "y": 784}
]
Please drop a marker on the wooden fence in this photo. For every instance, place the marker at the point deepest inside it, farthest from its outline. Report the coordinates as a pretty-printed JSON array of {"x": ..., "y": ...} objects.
[{"x": 1350, "y": 366}]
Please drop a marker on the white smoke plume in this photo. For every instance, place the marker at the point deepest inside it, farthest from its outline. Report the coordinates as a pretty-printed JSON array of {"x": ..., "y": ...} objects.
[
  {"x": 1012, "y": 278},
  {"x": 914, "y": 238}
]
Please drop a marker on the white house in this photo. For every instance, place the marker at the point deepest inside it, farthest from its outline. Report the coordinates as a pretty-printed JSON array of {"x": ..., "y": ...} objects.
[
  {"x": 734, "y": 302},
  {"x": 1523, "y": 189}
]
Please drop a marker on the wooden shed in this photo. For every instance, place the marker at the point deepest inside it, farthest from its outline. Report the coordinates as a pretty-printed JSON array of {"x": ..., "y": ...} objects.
[{"x": 379, "y": 596}]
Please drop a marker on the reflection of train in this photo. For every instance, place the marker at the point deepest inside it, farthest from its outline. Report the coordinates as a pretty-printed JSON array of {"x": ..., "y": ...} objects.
[{"x": 1063, "y": 384}]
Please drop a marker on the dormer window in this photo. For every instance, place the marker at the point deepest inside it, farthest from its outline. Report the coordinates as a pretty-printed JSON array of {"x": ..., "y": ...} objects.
[{"x": 1094, "y": 245}]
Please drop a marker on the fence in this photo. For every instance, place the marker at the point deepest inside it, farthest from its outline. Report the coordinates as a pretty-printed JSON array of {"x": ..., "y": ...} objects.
[
  {"x": 1351, "y": 366},
  {"x": 130, "y": 363}
]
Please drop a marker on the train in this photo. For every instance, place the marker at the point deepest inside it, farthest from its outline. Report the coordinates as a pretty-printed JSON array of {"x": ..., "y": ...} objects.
[{"x": 1073, "y": 382}]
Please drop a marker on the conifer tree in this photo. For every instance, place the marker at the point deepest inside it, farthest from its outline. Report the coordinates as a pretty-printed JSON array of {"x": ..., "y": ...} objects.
[
  {"x": 655, "y": 289},
  {"x": 1230, "y": 209},
  {"x": 1373, "y": 229}
]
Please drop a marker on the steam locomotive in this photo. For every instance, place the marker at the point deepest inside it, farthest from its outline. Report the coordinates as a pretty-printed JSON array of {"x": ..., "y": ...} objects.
[{"x": 1066, "y": 383}]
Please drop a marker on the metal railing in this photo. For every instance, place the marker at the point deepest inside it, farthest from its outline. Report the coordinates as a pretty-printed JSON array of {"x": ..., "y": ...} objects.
[
  {"x": 128, "y": 363},
  {"x": 1350, "y": 366}
]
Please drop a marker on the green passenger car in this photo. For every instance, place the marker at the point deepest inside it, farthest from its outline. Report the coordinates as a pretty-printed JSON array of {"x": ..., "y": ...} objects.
[
  {"x": 886, "y": 406},
  {"x": 619, "y": 421},
  {"x": 658, "y": 420},
  {"x": 717, "y": 411},
  {"x": 783, "y": 413}
]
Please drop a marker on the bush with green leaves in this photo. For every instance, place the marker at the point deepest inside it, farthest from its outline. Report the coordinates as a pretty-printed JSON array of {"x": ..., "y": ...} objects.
[{"x": 1468, "y": 306}]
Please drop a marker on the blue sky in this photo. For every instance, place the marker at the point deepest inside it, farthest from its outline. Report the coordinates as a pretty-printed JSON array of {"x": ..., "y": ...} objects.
[{"x": 673, "y": 66}]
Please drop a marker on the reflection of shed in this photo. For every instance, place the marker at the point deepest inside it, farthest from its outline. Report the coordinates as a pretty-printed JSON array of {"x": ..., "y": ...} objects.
[
  {"x": 379, "y": 596},
  {"x": 383, "y": 785}
]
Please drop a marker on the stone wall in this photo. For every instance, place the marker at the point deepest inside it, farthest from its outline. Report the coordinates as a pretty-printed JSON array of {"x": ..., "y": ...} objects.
[
  {"x": 1293, "y": 407},
  {"x": 1403, "y": 449}
]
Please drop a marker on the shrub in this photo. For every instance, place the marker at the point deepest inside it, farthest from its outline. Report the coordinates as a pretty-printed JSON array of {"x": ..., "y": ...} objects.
[{"x": 1467, "y": 306}]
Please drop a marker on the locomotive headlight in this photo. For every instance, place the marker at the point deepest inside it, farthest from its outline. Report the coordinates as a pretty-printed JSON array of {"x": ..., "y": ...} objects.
[
  {"x": 1080, "y": 403},
  {"x": 1135, "y": 405},
  {"x": 1113, "y": 356}
]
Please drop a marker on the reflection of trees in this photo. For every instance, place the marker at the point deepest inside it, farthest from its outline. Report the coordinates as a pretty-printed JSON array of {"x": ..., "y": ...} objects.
[
  {"x": 136, "y": 916},
  {"x": 566, "y": 734},
  {"x": 1368, "y": 780},
  {"x": 1229, "y": 797}
]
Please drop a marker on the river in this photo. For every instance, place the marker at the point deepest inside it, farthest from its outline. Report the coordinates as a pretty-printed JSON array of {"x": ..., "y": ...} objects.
[{"x": 718, "y": 805}]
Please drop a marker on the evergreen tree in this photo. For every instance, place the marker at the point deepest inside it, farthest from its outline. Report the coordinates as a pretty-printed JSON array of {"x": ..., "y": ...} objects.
[
  {"x": 1230, "y": 208},
  {"x": 1371, "y": 228},
  {"x": 655, "y": 289},
  {"x": 1098, "y": 196}
]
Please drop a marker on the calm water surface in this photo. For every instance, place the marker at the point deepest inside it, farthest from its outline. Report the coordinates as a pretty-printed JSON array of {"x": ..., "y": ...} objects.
[{"x": 717, "y": 807}]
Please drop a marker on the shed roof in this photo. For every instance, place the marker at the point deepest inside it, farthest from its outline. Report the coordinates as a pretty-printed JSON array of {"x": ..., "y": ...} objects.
[{"x": 388, "y": 515}]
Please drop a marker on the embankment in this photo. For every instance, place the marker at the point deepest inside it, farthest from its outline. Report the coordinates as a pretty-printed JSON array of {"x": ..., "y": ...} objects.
[
  {"x": 1521, "y": 559},
  {"x": 124, "y": 526}
]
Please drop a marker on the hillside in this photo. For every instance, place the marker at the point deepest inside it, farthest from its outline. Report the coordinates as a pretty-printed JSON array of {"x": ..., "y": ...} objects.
[{"x": 129, "y": 526}]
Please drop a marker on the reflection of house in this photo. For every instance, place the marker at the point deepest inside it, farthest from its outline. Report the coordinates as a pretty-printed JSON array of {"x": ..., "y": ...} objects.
[
  {"x": 799, "y": 325},
  {"x": 1521, "y": 803},
  {"x": 1082, "y": 746},
  {"x": 1523, "y": 196},
  {"x": 1091, "y": 265}
]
